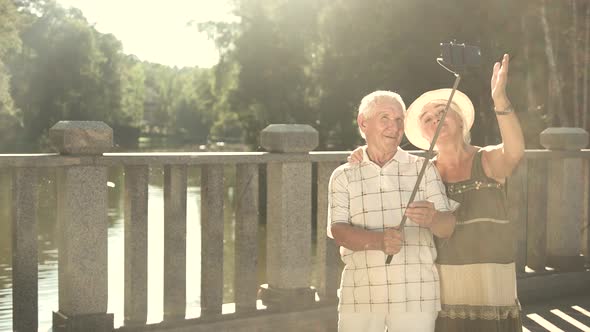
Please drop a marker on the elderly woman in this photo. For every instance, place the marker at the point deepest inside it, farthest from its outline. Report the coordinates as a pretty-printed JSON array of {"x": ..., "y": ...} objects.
[{"x": 476, "y": 263}]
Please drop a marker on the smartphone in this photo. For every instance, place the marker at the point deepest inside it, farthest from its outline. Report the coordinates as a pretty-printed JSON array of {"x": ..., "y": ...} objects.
[{"x": 460, "y": 55}]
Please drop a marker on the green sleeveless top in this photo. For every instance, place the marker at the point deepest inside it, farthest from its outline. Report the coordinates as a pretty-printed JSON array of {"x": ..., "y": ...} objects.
[{"x": 483, "y": 233}]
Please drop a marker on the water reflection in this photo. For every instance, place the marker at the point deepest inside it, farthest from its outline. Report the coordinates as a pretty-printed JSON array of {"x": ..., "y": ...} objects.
[{"x": 48, "y": 283}]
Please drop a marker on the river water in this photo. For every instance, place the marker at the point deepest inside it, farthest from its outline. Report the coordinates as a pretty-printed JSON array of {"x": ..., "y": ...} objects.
[{"x": 47, "y": 229}]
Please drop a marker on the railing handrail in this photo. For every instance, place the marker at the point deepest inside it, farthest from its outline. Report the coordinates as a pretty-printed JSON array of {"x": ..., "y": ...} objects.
[{"x": 41, "y": 160}]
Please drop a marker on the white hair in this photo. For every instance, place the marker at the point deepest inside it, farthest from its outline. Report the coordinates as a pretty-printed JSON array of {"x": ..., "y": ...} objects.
[{"x": 370, "y": 102}]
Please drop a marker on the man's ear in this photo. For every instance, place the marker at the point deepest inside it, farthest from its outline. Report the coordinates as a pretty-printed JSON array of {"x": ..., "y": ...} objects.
[{"x": 360, "y": 119}]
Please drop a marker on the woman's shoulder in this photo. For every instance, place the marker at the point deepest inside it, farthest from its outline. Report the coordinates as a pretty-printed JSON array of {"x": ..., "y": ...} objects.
[
  {"x": 489, "y": 148},
  {"x": 490, "y": 154}
]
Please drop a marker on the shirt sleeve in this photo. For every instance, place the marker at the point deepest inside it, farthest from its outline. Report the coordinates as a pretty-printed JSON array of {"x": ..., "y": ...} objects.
[
  {"x": 435, "y": 190},
  {"x": 338, "y": 200}
]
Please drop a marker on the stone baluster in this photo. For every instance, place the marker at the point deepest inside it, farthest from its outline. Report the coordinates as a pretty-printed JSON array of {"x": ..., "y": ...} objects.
[
  {"x": 83, "y": 225},
  {"x": 328, "y": 253},
  {"x": 24, "y": 250},
  {"x": 564, "y": 215},
  {"x": 289, "y": 216}
]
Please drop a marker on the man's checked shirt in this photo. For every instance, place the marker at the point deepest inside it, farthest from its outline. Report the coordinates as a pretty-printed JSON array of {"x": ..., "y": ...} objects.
[{"x": 367, "y": 196}]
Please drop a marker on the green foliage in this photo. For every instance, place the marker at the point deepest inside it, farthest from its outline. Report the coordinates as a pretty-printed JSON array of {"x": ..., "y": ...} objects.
[
  {"x": 132, "y": 92},
  {"x": 9, "y": 25},
  {"x": 66, "y": 70},
  {"x": 178, "y": 102},
  {"x": 392, "y": 45},
  {"x": 10, "y": 118},
  {"x": 312, "y": 61},
  {"x": 192, "y": 105},
  {"x": 271, "y": 53},
  {"x": 227, "y": 128},
  {"x": 291, "y": 61}
]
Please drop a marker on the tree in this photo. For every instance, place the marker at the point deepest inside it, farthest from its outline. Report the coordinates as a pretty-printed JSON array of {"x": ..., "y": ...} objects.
[
  {"x": 10, "y": 117},
  {"x": 132, "y": 91},
  {"x": 297, "y": 61},
  {"x": 67, "y": 70},
  {"x": 272, "y": 54},
  {"x": 311, "y": 62},
  {"x": 192, "y": 107}
]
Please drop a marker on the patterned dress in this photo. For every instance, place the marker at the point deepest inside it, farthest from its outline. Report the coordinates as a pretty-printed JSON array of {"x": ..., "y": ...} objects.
[{"x": 476, "y": 265}]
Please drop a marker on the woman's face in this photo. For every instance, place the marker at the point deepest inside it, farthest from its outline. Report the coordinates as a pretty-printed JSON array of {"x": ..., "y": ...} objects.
[{"x": 430, "y": 117}]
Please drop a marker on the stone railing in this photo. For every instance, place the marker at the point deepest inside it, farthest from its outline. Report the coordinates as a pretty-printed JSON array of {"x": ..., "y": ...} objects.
[{"x": 548, "y": 197}]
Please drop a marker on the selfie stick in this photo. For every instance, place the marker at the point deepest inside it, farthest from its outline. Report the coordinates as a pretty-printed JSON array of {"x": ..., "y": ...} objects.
[{"x": 428, "y": 155}]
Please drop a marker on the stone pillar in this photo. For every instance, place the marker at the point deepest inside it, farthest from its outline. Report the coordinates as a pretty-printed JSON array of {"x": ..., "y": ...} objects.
[
  {"x": 24, "y": 250},
  {"x": 565, "y": 199},
  {"x": 288, "y": 225},
  {"x": 83, "y": 225}
]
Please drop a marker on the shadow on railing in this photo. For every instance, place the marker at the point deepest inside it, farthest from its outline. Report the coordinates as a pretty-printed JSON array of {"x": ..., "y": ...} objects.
[{"x": 548, "y": 199}]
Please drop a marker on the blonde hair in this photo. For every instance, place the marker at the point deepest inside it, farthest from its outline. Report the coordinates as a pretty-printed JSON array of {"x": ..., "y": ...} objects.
[{"x": 370, "y": 102}]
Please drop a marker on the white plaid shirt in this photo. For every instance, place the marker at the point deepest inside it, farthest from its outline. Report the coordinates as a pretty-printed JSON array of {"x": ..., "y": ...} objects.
[{"x": 373, "y": 198}]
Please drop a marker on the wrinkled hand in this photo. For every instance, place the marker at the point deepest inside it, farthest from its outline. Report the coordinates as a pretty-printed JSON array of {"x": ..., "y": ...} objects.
[
  {"x": 422, "y": 213},
  {"x": 498, "y": 83},
  {"x": 392, "y": 241},
  {"x": 356, "y": 156}
]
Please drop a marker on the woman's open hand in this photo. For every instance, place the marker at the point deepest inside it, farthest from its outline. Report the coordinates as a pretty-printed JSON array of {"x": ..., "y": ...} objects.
[
  {"x": 498, "y": 83},
  {"x": 356, "y": 156}
]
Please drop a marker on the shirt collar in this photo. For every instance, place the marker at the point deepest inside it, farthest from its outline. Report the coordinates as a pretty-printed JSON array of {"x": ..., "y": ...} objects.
[{"x": 401, "y": 156}]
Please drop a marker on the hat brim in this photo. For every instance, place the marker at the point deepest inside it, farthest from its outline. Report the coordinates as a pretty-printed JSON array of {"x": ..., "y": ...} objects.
[{"x": 412, "y": 116}]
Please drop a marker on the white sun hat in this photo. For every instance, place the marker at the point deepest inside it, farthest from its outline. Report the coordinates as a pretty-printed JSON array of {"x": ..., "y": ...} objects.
[{"x": 460, "y": 103}]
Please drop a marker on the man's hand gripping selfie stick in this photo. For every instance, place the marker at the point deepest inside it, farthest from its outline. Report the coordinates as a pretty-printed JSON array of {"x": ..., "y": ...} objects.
[{"x": 428, "y": 156}]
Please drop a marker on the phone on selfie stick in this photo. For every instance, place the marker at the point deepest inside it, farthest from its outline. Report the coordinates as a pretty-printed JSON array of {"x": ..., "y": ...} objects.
[{"x": 456, "y": 58}]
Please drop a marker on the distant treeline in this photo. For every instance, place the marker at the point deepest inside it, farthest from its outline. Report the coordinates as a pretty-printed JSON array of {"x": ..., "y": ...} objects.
[
  {"x": 55, "y": 66},
  {"x": 292, "y": 61}
]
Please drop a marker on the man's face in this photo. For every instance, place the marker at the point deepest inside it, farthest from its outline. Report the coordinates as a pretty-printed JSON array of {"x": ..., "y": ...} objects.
[{"x": 384, "y": 128}]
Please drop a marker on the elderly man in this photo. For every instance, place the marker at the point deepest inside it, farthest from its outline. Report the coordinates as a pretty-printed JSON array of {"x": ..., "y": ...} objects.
[{"x": 367, "y": 202}]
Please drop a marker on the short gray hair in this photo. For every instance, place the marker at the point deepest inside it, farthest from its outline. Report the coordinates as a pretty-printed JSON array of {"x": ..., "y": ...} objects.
[{"x": 379, "y": 98}]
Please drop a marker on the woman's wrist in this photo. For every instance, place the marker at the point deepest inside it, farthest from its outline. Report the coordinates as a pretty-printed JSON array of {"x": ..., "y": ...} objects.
[
  {"x": 502, "y": 106},
  {"x": 505, "y": 111}
]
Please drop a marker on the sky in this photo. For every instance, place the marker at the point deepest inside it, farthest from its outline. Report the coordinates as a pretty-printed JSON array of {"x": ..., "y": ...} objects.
[{"x": 157, "y": 30}]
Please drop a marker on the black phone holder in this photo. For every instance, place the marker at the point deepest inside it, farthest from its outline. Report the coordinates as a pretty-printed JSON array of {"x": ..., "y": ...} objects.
[{"x": 459, "y": 57}]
